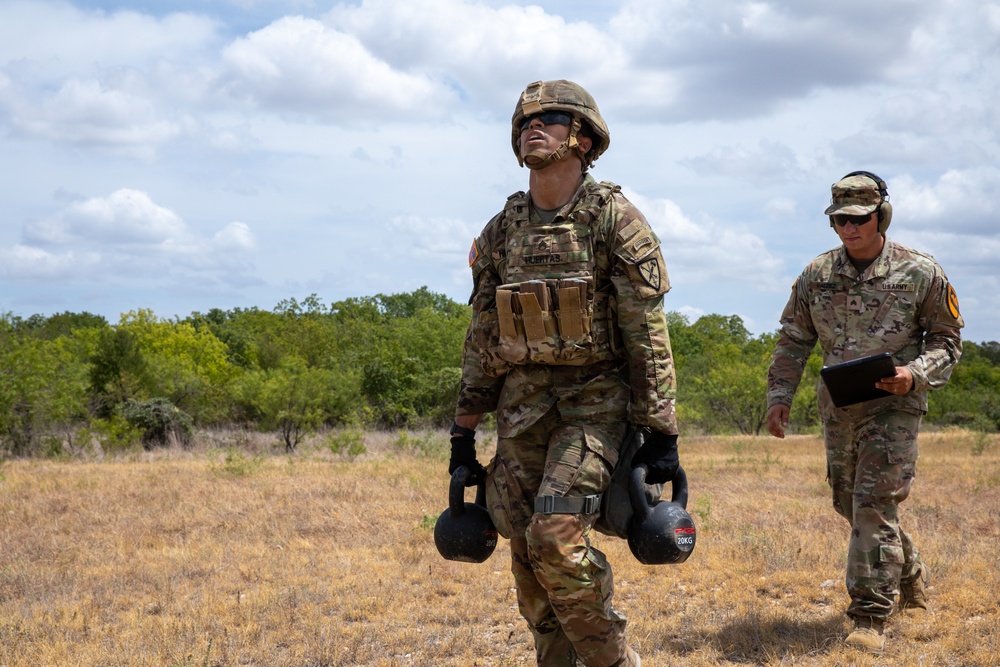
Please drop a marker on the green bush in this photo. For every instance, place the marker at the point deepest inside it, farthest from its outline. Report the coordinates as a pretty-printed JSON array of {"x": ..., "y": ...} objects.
[
  {"x": 232, "y": 463},
  {"x": 114, "y": 434},
  {"x": 350, "y": 442},
  {"x": 157, "y": 420}
]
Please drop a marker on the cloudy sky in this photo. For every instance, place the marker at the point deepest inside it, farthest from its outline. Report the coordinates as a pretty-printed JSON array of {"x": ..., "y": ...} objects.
[{"x": 195, "y": 154}]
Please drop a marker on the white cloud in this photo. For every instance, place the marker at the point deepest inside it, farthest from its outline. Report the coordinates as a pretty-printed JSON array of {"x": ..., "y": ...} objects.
[
  {"x": 488, "y": 53},
  {"x": 297, "y": 65},
  {"x": 47, "y": 39},
  {"x": 927, "y": 111},
  {"x": 741, "y": 59},
  {"x": 23, "y": 263},
  {"x": 771, "y": 161},
  {"x": 99, "y": 79},
  {"x": 125, "y": 217},
  {"x": 125, "y": 236},
  {"x": 961, "y": 202},
  {"x": 86, "y": 112},
  {"x": 432, "y": 238},
  {"x": 234, "y": 236},
  {"x": 966, "y": 256},
  {"x": 781, "y": 208},
  {"x": 706, "y": 251}
]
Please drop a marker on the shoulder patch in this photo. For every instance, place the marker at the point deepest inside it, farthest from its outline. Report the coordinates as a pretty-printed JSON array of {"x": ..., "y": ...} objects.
[
  {"x": 952, "y": 302},
  {"x": 473, "y": 253},
  {"x": 650, "y": 272}
]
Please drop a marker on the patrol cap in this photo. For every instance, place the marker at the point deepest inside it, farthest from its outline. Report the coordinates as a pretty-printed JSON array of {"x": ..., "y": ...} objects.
[{"x": 854, "y": 195}]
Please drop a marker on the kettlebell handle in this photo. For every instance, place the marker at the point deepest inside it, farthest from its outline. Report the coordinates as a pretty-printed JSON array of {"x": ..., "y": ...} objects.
[
  {"x": 637, "y": 490},
  {"x": 456, "y": 491}
]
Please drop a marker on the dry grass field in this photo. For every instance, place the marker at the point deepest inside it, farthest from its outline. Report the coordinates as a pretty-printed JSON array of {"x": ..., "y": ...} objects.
[{"x": 227, "y": 557}]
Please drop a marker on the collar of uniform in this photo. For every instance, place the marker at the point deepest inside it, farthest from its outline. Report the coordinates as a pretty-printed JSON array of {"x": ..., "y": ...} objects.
[{"x": 878, "y": 269}]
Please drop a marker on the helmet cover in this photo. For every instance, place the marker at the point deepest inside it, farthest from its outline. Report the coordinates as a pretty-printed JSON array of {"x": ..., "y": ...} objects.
[{"x": 561, "y": 95}]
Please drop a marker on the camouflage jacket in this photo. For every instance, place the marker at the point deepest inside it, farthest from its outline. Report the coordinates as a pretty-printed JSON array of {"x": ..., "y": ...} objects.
[
  {"x": 901, "y": 304},
  {"x": 556, "y": 305}
]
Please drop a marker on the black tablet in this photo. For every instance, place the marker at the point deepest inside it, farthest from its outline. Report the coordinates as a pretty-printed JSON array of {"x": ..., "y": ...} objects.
[{"x": 854, "y": 381}]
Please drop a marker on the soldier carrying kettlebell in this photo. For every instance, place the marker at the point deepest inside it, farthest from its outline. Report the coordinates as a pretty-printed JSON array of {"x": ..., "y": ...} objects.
[{"x": 568, "y": 344}]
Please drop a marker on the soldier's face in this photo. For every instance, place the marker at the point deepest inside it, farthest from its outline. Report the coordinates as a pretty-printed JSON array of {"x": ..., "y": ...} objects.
[
  {"x": 538, "y": 136},
  {"x": 861, "y": 240}
]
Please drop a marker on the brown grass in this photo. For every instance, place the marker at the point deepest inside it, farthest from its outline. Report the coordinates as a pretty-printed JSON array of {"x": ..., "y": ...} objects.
[{"x": 203, "y": 558}]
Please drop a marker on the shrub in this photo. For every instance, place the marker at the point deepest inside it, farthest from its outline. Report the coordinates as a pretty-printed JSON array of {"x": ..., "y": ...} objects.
[
  {"x": 232, "y": 463},
  {"x": 114, "y": 434},
  {"x": 157, "y": 420},
  {"x": 350, "y": 442}
]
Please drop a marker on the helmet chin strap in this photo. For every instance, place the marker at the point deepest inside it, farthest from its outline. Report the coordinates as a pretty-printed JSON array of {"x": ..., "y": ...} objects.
[{"x": 539, "y": 159}]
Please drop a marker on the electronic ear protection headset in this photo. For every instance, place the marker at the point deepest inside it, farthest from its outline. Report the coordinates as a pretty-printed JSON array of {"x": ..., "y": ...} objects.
[{"x": 884, "y": 208}]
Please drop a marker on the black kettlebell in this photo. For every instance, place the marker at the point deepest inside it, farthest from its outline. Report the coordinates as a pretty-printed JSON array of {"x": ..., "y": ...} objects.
[
  {"x": 465, "y": 532},
  {"x": 660, "y": 532}
]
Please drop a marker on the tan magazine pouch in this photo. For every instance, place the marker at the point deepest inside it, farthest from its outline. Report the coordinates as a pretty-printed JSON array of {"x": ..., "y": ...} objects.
[
  {"x": 549, "y": 322},
  {"x": 513, "y": 344}
]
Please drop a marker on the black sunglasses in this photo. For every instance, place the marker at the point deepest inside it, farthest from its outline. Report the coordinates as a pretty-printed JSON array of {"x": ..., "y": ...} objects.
[
  {"x": 856, "y": 220},
  {"x": 548, "y": 118}
]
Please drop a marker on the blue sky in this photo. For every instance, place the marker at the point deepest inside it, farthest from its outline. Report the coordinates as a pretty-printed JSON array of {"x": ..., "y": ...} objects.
[{"x": 206, "y": 154}]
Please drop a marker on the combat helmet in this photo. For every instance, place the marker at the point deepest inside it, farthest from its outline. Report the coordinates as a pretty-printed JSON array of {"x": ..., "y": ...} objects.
[
  {"x": 560, "y": 95},
  {"x": 861, "y": 193}
]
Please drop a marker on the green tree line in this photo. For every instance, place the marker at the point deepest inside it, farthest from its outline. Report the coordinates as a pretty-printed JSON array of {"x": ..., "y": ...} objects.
[{"x": 386, "y": 361}]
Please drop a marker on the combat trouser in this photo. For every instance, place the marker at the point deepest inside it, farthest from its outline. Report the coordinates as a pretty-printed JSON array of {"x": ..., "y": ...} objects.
[
  {"x": 871, "y": 464},
  {"x": 564, "y": 584}
]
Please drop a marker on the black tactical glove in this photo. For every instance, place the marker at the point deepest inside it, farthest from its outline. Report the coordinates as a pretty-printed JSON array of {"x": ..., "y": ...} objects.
[
  {"x": 659, "y": 455},
  {"x": 463, "y": 453}
]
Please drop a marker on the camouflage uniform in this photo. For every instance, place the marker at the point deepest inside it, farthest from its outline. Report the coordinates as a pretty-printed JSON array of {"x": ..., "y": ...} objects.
[
  {"x": 901, "y": 304},
  {"x": 568, "y": 342}
]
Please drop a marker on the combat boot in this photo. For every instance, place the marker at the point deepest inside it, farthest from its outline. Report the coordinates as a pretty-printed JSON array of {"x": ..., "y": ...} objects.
[
  {"x": 913, "y": 591},
  {"x": 868, "y": 634}
]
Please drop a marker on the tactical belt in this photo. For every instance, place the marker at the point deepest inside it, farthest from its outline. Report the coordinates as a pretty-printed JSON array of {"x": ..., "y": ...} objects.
[{"x": 568, "y": 505}]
